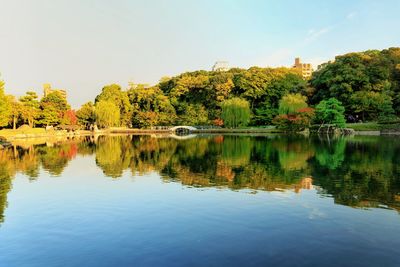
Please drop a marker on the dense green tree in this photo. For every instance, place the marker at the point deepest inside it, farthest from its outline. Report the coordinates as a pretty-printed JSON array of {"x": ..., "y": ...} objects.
[
  {"x": 16, "y": 111},
  {"x": 50, "y": 116},
  {"x": 264, "y": 114},
  {"x": 258, "y": 85},
  {"x": 369, "y": 71},
  {"x": 251, "y": 84},
  {"x": 189, "y": 93},
  {"x": 107, "y": 114},
  {"x": 52, "y": 108},
  {"x": 30, "y": 108},
  {"x": 56, "y": 100},
  {"x": 287, "y": 82},
  {"x": 371, "y": 104},
  {"x": 235, "y": 112},
  {"x": 150, "y": 106},
  {"x": 193, "y": 114},
  {"x": 5, "y": 107},
  {"x": 330, "y": 112},
  {"x": 221, "y": 85},
  {"x": 86, "y": 114},
  {"x": 281, "y": 85},
  {"x": 387, "y": 113},
  {"x": 188, "y": 87}
]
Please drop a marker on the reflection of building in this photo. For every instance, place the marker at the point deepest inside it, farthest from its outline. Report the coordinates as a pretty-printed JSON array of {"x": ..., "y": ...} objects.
[
  {"x": 304, "y": 68},
  {"x": 305, "y": 183},
  {"x": 225, "y": 171},
  {"x": 220, "y": 66},
  {"x": 47, "y": 90}
]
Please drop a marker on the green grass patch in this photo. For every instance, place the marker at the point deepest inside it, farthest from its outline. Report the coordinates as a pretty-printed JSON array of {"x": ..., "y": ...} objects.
[
  {"x": 373, "y": 126},
  {"x": 364, "y": 126},
  {"x": 11, "y": 132},
  {"x": 267, "y": 129}
]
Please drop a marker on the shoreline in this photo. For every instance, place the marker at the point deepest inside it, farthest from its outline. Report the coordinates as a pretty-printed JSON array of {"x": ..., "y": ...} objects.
[
  {"x": 11, "y": 135},
  {"x": 198, "y": 131},
  {"x": 239, "y": 130}
]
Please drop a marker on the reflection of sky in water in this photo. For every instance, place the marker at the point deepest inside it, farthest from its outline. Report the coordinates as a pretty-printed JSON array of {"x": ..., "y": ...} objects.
[{"x": 84, "y": 218}]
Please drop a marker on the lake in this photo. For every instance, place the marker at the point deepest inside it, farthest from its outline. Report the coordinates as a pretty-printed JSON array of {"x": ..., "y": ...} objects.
[{"x": 212, "y": 200}]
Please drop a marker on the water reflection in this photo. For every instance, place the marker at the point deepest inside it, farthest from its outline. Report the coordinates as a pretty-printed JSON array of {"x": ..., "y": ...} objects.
[{"x": 358, "y": 171}]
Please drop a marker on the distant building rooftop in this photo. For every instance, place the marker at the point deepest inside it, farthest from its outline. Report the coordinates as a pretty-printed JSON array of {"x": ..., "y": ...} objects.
[
  {"x": 304, "y": 68},
  {"x": 221, "y": 66},
  {"x": 48, "y": 90}
]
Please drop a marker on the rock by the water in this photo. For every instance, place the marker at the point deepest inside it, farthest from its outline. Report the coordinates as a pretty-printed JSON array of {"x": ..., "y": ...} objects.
[
  {"x": 333, "y": 130},
  {"x": 24, "y": 127}
]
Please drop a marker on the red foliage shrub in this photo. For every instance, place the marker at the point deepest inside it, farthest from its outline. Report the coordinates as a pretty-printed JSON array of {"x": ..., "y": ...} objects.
[
  {"x": 69, "y": 117},
  {"x": 218, "y": 122},
  {"x": 296, "y": 121}
]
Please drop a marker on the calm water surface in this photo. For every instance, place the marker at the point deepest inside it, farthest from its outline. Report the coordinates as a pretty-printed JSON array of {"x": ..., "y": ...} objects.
[{"x": 205, "y": 201}]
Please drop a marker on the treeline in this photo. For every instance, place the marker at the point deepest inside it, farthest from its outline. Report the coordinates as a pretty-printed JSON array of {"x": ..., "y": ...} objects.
[
  {"x": 28, "y": 109},
  {"x": 194, "y": 98},
  {"x": 361, "y": 86}
]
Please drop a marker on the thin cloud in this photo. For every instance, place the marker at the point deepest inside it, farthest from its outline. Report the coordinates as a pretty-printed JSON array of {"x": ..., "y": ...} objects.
[
  {"x": 280, "y": 56},
  {"x": 351, "y": 15},
  {"x": 313, "y": 35}
]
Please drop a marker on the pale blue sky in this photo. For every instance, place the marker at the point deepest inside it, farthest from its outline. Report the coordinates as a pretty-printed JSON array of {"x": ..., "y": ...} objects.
[{"x": 83, "y": 45}]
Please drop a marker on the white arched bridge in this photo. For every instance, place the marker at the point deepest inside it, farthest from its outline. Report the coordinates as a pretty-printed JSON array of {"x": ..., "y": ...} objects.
[
  {"x": 182, "y": 129},
  {"x": 189, "y": 128}
]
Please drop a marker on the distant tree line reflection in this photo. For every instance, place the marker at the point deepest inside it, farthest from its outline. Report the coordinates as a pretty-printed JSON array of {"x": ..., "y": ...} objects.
[{"x": 358, "y": 172}]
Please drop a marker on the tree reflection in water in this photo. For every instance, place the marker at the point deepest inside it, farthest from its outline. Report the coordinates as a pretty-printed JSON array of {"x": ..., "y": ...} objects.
[{"x": 358, "y": 171}]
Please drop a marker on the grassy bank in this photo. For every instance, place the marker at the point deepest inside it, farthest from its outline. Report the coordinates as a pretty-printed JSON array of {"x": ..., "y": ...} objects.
[
  {"x": 361, "y": 128},
  {"x": 240, "y": 130},
  {"x": 267, "y": 129},
  {"x": 11, "y": 134},
  {"x": 373, "y": 126}
]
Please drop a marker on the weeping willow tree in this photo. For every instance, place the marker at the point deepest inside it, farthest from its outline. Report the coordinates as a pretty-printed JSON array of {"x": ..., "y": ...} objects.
[
  {"x": 291, "y": 103},
  {"x": 107, "y": 114},
  {"x": 235, "y": 112}
]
